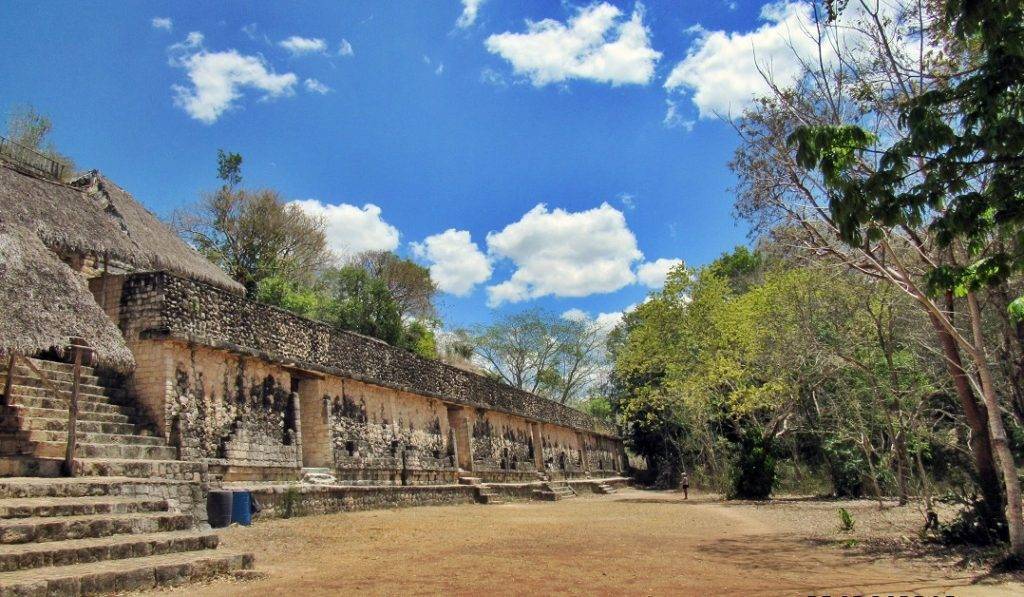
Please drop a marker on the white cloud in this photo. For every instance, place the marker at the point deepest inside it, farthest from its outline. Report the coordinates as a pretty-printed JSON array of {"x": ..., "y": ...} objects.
[
  {"x": 440, "y": 69},
  {"x": 457, "y": 264},
  {"x": 560, "y": 253},
  {"x": 721, "y": 68},
  {"x": 725, "y": 71},
  {"x": 351, "y": 229},
  {"x": 250, "y": 30},
  {"x": 315, "y": 86},
  {"x": 653, "y": 273},
  {"x": 345, "y": 49},
  {"x": 594, "y": 45},
  {"x": 628, "y": 200},
  {"x": 218, "y": 78},
  {"x": 490, "y": 76},
  {"x": 673, "y": 119},
  {"x": 470, "y": 10},
  {"x": 299, "y": 46},
  {"x": 605, "y": 322},
  {"x": 164, "y": 23}
]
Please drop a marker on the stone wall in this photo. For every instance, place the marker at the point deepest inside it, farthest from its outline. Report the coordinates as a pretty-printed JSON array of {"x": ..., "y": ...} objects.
[
  {"x": 159, "y": 304},
  {"x": 502, "y": 444},
  {"x": 281, "y": 501},
  {"x": 383, "y": 436},
  {"x": 224, "y": 408},
  {"x": 258, "y": 394}
]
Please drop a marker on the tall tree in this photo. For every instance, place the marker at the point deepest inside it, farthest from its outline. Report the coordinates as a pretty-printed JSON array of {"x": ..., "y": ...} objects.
[
  {"x": 956, "y": 167},
  {"x": 409, "y": 283},
  {"x": 865, "y": 78},
  {"x": 254, "y": 235}
]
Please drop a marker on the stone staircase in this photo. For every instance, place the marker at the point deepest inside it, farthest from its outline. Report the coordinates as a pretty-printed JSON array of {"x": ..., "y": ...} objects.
[
  {"x": 484, "y": 494},
  {"x": 553, "y": 491},
  {"x": 116, "y": 526},
  {"x": 605, "y": 488}
]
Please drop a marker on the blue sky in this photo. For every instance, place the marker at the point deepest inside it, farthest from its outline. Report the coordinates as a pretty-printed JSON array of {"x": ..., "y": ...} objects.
[{"x": 404, "y": 120}]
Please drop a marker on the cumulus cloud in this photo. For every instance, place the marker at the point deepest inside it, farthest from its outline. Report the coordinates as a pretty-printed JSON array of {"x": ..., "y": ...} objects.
[
  {"x": 594, "y": 45},
  {"x": 560, "y": 253},
  {"x": 299, "y": 46},
  {"x": 723, "y": 70},
  {"x": 457, "y": 264},
  {"x": 653, "y": 273},
  {"x": 674, "y": 119},
  {"x": 218, "y": 78},
  {"x": 470, "y": 10},
  {"x": 164, "y": 23},
  {"x": 605, "y": 322},
  {"x": 351, "y": 229},
  {"x": 345, "y": 49},
  {"x": 315, "y": 86}
]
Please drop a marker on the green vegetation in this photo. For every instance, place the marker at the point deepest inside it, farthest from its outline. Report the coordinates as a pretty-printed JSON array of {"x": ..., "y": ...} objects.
[
  {"x": 280, "y": 255},
  {"x": 28, "y": 128},
  {"x": 874, "y": 337}
]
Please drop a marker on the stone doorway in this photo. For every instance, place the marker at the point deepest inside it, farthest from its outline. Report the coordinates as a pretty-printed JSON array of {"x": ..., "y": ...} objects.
[
  {"x": 458, "y": 422},
  {"x": 314, "y": 422}
]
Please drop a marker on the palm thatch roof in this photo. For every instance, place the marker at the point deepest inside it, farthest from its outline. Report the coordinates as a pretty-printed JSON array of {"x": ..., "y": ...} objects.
[
  {"x": 44, "y": 303},
  {"x": 94, "y": 215}
]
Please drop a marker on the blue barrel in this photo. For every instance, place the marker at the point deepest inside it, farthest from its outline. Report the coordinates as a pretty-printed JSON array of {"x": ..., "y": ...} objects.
[
  {"x": 218, "y": 508},
  {"x": 241, "y": 507}
]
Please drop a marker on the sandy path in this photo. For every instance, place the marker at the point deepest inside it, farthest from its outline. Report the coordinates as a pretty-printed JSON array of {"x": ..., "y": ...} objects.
[{"x": 637, "y": 543}]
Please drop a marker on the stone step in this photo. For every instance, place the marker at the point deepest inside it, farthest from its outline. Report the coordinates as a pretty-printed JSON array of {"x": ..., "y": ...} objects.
[
  {"x": 44, "y": 529},
  {"x": 11, "y": 444},
  {"x": 59, "y": 366},
  {"x": 83, "y": 426},
  {"x": 116, "y": 547},
  {"x": 120, "y": 576},
  {"x": 90, "y": 437},
  {"x": 21, "y": 371},
  {"x": 165, "y": 469},
  {"x": 42, "y": 398},
  {"x": 27, "y": 412},
  {"x": 44, "y": 507},
  {"x": 35, "y": 466},
  {"x": 73, "y": 487},
  {"x": 65, "y": 388}
]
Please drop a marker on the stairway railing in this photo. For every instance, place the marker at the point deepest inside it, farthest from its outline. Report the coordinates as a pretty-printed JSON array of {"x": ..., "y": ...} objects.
[{"x": 80, "y": 351}]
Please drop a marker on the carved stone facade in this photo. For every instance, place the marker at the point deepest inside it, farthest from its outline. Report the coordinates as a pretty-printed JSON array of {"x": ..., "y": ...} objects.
[{"x": 259, "y": 394}]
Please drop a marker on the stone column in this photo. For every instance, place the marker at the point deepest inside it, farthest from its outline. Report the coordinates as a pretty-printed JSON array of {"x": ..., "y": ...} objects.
[{"x": 538, "y": 446}]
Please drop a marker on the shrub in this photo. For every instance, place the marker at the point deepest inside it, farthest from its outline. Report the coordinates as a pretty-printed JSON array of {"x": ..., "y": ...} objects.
[
  {"x": 753, "y": 475},
  {"x": 845, "y": 520}
]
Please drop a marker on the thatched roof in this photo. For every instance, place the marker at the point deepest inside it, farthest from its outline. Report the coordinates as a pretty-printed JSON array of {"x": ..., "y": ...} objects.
[
  {"x": 94, "y": 215},
  {"x": 44, "y": 303}
]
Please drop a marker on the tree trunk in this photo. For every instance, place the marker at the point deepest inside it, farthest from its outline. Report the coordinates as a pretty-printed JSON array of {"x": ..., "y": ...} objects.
[
  {"x": 1004, "y": 457},
  {"x": 902, "y": 468},
  {"x": 974, "y": 413}
]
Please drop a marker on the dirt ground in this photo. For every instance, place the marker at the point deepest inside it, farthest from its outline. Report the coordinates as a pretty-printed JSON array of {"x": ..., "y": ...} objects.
[{"x": 631, "y": 543}]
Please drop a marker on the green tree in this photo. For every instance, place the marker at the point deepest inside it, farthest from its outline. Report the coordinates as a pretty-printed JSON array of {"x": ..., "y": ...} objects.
[
  {"x": 362, "y": 303},
  {"x": 253, "y": 235},
  {"x": 957, "y": 167}
]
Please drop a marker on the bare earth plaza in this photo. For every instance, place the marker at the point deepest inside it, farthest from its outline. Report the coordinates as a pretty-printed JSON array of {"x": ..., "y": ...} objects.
[{"x": 477, "y": 297}]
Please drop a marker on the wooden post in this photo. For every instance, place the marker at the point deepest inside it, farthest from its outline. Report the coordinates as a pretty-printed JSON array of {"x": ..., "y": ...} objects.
[
  {"x": 9, "y": 387},
  {"x": 69, "y": 456}
]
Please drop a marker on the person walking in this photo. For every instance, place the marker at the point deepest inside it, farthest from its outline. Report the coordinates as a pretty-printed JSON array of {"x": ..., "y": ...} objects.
[{"x": 685, "y": 483}]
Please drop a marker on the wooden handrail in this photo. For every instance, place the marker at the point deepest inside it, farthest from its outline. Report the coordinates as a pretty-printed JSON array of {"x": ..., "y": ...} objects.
[
  {"x": 69, "y": 453},
  {"x": 9, "y": 386}
]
